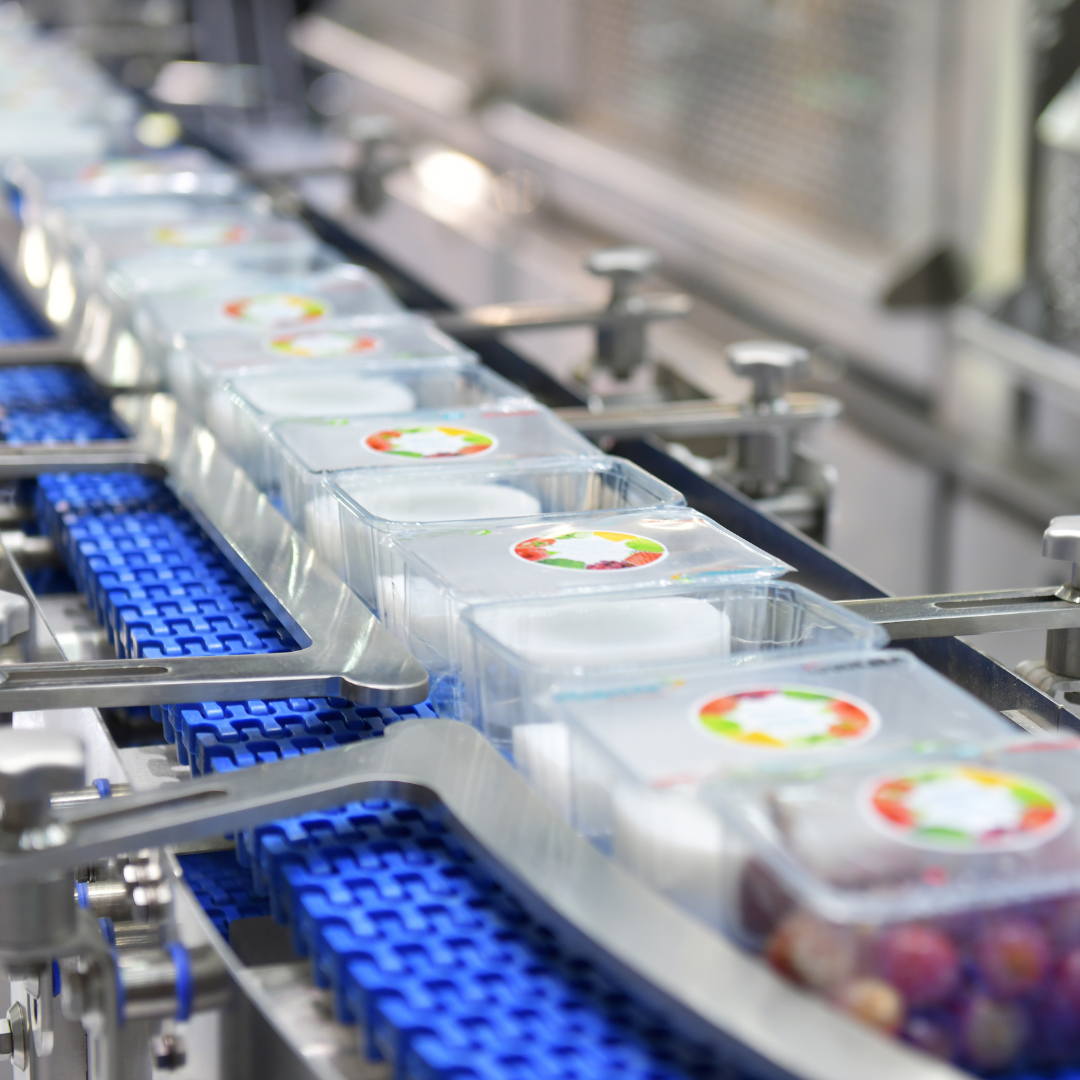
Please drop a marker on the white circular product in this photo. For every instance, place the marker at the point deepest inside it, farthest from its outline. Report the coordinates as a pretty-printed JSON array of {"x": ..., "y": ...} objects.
[
  {"x": 308, "y": 395},
  {"x": 449, "y": 502},
  {"x": 675, "y": 844},
  {"x": 609, "y": 631}
]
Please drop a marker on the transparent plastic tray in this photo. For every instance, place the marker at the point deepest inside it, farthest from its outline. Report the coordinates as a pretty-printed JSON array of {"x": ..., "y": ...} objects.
[
  {"x": 247, "y": 404},
  {"x": 434, "y": 573},
  {"x": 627, "y": 765},
  {"x": 935, "y": 896},
  {"x": 361, "y": 511},
  {"x": 301, "y": 452},
  {"x": 522, "y": 651},
  {"x": 198, "y": 365}
]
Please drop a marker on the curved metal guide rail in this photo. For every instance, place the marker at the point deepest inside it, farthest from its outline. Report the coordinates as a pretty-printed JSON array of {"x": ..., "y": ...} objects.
[
  {"x": 344, "y": 651},
  {"x": 696, "y": 979}
]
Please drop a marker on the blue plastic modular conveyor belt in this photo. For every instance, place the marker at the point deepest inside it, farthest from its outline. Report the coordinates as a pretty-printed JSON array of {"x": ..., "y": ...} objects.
[
  {"x": 51, "y": 404},
  {"x": 446, "y": 974},
  {"x": 18, "y": 320}
]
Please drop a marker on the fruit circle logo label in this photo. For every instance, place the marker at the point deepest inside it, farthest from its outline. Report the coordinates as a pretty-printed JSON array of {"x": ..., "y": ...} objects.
[
  {"x": 196, "y": 234},
  {"x": 788, "y": 718},
  {"x": 965, "y": 808},
  {"x": 276, "y": 309},
  {"x": 430, "y": 441},
  {"x": 316, "y": 344},
  {"x": 591, "y": 551}
]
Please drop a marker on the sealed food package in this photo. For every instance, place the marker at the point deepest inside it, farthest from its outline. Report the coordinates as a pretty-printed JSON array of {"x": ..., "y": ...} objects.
[
  {"x": 181, "y": 171},
  {"x": 935, "y": 896},
  {"x": 522, "y": 652},
  {"x": 634, "y": 760},
  {"x": 301, "y": 452},
  {"x": 117, "y": 331},
  {"x": 433, "y": 574},
  {"x": 362, "y": 510},
  {"x": 244, "y": 407},
  {"x": 200, "y": 363}
]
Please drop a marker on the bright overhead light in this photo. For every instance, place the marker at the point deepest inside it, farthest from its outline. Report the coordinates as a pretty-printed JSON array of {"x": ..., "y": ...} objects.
[{"x": 456, "y": 178}]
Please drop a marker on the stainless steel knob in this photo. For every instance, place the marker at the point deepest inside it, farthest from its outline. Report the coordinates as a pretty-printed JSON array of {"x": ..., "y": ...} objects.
[
  {"x": 1061, "y": 540},
  {"x": 770, "y": 365},
  {"x": 624, "y": 267},
  {"x": 33, "y": 765}
]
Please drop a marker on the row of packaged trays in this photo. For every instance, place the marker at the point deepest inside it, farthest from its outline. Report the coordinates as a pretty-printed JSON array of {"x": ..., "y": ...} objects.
[{"x": 835, "y": 805}]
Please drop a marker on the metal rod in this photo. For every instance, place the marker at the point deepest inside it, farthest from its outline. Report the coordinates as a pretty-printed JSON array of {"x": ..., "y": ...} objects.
[
  {"x": 690, "y": 419},
  {"x": 954, "y": 614}
]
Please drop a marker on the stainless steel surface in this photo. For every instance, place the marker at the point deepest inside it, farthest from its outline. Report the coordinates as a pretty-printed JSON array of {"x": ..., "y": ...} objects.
[
  {"x": 14, "y": 615},
  {"x": 148, "y": 977},
  {"x": 345, "y": 652},
  {"x": 693, "y": 975},
  {"x": 33, "y": 765},
  {"x": 957, "y": 614},
  {"x": 109, "y": 900},
  {"x": 491, "y": 319},
  {"x": 693, "y": 419}
]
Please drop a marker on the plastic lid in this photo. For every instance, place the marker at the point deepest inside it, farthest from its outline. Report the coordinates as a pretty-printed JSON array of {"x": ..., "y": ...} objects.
[
  {"x": 913, "y": 837},
  {"x": 627, "y": 550},
  {"x": 322, "y": 393},
  {"x": 450, "y": 502},
  {"x": 700, "y": 724}
]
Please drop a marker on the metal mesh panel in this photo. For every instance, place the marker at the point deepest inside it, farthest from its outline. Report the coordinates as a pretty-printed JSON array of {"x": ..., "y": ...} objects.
[{"x": 793, "y": 101}]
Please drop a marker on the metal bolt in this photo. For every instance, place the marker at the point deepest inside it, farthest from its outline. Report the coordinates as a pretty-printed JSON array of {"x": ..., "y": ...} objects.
[
  {"x": 34, "y": 764},
  {"x": 1062, "y": 541},
  {"x": 17, "y": 1032},
  {"x": 621, "y": 349},
  {"x": 770, "y": 365},
  {"x": 168, "y": 1051}
]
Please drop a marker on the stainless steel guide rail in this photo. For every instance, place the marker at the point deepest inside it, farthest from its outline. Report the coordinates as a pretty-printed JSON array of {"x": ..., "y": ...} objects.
[
  {"x": 698, "y": 980},
  {"x": 344, "y": 652}
]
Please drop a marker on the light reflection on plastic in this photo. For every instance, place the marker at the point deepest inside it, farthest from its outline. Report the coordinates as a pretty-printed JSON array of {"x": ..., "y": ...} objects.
[
  {"x": 60, "y": 302},
  {"x": 34, "y": 256},
  {"x": 127, "y": 360},
  {"x": 457, "y": 178}
]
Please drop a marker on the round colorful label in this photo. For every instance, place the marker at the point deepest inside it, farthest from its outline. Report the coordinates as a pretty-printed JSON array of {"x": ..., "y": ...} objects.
[
  {"x": 591, "y": 551},
  {"x": 315, "y": 344},
  {"x": 788, "y": 718},
  {"x": 277, "y": 309},
  {"x": 430, "y": 441},
  {"x": 198, "y": 234},
  {"x": 965, "y": 808}
]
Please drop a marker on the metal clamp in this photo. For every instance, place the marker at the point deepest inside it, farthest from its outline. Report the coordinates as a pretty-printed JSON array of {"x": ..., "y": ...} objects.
[
  {"x": 620, "y": 326},
  {"x": 345, "y": 651}
]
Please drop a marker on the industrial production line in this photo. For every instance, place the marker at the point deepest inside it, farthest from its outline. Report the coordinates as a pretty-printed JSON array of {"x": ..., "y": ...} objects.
[{"x": 455, "y": 922}]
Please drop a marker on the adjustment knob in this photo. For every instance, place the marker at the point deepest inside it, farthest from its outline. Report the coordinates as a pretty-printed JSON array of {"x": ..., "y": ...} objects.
[
  {"x": 34, "y": 765},
  {"x": 769, "y": 365},
  {"x": 624, "y": 266},
  {"x": 1062, "y": 539}
]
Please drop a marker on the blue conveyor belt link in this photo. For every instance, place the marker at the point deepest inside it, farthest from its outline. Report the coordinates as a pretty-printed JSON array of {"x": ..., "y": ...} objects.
[{"x": 50, "y": 404}]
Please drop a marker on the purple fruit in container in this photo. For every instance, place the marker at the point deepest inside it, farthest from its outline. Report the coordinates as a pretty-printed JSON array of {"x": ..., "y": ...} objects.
[
  {"x": 992, "y": 1033},
  {"x": 1012, "y": 954},
  {"x": 921, "y": 962}
]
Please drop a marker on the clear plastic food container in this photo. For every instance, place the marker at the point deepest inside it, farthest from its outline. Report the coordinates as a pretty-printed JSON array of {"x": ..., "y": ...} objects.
[
  {"x": 361, "y": 511},
  {"x": 627, "y": 765},
  {"x": 434, "y": 573},
  {"x": 113, "y": 323},
  {"x": 258, "y": 305},
  {"x": 936, "y": 897},
  {"x": 301, "y": 452},
  {"x": 522, "y": 651},
  {"x": 246, "y": 405},
  {"x": 197, "y": 365},
  {"x": 182, "y": 171}
]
